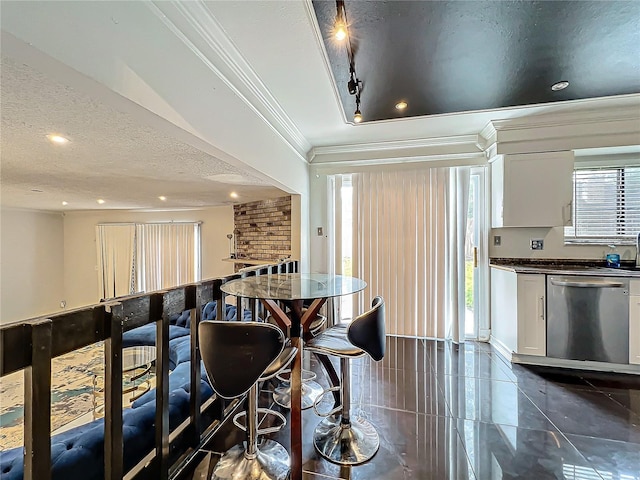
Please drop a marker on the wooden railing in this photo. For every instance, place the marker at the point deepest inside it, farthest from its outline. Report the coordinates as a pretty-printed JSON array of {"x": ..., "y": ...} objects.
[{"x": 32, "y": 344}]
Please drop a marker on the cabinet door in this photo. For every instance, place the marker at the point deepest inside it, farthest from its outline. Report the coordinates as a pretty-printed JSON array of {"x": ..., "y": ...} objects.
[
  {"x": 538, "y": 189},
  {"x": 634, "y": 329},
  {"x": 634, "y": 322},
  {"x": 532, "y": 329}
]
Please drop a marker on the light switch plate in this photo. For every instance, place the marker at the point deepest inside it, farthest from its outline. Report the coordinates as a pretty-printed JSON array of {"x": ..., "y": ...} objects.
[
  {"x": 319, "y": 231},
  {"x": 537, "y": 244},
  {"x": 497, "y": 240}
]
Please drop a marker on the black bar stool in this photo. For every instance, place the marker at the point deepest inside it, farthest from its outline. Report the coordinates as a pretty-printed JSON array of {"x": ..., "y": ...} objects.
[
  {"x": 338, "y": 438},
  {"x": 237, "y": 357}
]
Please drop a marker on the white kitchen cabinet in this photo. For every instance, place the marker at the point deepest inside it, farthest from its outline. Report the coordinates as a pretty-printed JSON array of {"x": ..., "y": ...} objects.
[
  {"x": 531, "y": 190},
  {"x": 634, "y": 322},
  {"x": 532, "y": 329},
  {"x": 518, "y": 311}
]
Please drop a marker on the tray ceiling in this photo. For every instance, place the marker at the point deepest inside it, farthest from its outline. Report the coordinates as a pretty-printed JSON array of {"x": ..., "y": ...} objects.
[{"x": 450, "y": 56}]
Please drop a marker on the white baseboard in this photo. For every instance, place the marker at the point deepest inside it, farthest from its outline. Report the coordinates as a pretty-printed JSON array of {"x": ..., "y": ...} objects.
[
  {"x": 513, "y": 357},
  {"x": 501, "y": 348}
]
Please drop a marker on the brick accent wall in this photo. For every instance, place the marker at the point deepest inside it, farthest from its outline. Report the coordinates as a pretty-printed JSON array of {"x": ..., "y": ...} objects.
[{"x": 263, "y": 229}]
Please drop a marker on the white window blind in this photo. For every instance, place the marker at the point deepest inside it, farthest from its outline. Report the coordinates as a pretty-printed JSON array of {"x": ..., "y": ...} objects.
[{"x": 606, "y": 205}]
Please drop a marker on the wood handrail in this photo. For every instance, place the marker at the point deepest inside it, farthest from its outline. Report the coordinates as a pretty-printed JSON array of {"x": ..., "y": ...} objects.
[{"x": 31, "y": 345}]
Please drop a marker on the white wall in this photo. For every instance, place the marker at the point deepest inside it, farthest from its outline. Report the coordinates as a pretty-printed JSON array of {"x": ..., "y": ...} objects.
[
  {"x": 80, "y": 254},
  {"x": 318, "y": 217},
  {"x": 31, "y": 264}
]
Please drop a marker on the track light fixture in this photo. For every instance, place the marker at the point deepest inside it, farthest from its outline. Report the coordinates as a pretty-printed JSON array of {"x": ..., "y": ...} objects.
[
  {"x": 341, "y": 32},
  {"x": 353, "y": 84}
]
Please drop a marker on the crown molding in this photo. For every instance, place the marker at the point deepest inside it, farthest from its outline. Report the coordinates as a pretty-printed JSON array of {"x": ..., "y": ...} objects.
[
  {"x": 241, "y": 78},
  {"x": 576, "y": 117},
  {"x": 596, "y": 125},
  {"x": 398, "y": 146},
  {"x": 431, "y": 161},
  {"x": 487, "y": 136}
]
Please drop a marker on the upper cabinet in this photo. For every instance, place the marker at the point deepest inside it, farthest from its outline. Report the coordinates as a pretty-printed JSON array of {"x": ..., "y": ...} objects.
[{"x": 532, "y": 190}]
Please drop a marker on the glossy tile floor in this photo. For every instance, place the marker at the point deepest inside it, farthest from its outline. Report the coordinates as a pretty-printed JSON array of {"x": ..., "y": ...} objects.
[{"x": 462, "y": 412}]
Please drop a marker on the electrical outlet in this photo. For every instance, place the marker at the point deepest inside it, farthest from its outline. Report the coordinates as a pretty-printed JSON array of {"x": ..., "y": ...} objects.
[
  {"x": 537, "y": 244},
  {"x": 497, "y": 240}
]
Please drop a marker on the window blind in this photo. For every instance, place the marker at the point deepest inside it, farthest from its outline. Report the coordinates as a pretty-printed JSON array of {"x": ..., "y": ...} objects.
[{"x": 606, "y": 205}]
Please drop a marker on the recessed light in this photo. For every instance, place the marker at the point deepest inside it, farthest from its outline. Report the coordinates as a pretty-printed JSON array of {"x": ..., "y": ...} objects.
[
  {"x": 57, "y": 139},
  {"x": 65, "y": 203},
  {"x": 233, "y": 195},
  {"x": 100, "y": 201},
  {"x": 163, "y": 198},
  {"x": 559, "y": 85},
  {"x": 401, "y": 105}
]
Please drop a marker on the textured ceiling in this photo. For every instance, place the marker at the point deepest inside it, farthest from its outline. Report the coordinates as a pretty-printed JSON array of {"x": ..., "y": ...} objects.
[
  {"x": 109, "y": 155},
  {"x": 451, "y": 56}
]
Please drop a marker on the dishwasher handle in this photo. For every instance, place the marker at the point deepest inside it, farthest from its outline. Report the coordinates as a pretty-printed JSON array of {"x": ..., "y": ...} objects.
[{"x": 590, "y": 283}]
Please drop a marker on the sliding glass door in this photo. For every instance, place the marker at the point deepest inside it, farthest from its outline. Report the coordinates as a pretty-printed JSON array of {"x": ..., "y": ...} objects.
[{"x": 419, "y": 239}]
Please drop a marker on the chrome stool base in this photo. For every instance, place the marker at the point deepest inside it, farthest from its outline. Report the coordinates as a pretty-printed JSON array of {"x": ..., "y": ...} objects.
[
  {"x": 271, "y": 463},
  {"x": 349, "y": 444},
  {"x": 311, "y": 391}
]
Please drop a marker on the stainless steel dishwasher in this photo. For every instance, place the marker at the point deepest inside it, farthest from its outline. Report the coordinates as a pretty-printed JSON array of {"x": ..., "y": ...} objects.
[{"x": 588, "y": 318}]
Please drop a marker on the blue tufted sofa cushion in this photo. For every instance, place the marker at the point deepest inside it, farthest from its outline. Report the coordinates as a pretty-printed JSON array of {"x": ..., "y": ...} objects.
[
  {"x": 146, "y": 335},
  {"x": 209, "y": 312},
  {"x": 78, "y": 453},
  {"x": 180, "y": 379}
]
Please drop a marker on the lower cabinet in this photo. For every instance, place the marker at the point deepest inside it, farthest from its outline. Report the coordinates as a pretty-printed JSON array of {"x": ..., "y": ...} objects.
[
  {"x": 634, "y": 322},
  {"x": 518, "y": 311},
  {"x": 532, "y": 327}
]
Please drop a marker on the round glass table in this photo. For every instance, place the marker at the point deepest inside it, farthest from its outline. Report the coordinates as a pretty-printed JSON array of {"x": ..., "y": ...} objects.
[
  {"x": 293, "y": 289},
  {"x": 294, "y": 286},
  {"x": 136, "y": 365}
]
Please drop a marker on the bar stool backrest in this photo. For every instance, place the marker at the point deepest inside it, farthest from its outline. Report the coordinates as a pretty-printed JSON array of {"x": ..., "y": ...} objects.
[
  {"x": 236, "y": 354},
  {"x": 367, "y": 330}
]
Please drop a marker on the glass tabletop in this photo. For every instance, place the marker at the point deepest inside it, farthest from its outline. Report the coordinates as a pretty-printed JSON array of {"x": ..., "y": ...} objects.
[
  {"x": 294, "y": 286},
  {"x": 137, "y": 357}
]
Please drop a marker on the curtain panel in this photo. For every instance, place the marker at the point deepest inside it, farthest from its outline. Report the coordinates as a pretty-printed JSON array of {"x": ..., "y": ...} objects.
[
  {"x": 116, "y": 243},
  {"x": 408, "y": 245},
  {"x": 165, "y": 255},
  {"x": 136, "y": 258}
]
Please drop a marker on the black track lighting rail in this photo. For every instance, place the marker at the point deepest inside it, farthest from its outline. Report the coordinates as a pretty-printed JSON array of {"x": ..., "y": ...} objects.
[{"x": 341, "y": 29}]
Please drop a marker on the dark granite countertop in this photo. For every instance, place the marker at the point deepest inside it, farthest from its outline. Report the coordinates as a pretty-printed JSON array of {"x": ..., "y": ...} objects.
[{"x": 565, "y": 267}]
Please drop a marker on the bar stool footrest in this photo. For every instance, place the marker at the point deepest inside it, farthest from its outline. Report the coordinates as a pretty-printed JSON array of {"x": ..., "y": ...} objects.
[
  {"x": 262, "y": 431},
  {"x": 307, "y": 375},
  {"x": 336, "y": 409}
]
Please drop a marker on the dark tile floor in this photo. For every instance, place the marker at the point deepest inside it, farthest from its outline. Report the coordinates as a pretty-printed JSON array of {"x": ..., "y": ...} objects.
[{"x": 462, "y": 412}]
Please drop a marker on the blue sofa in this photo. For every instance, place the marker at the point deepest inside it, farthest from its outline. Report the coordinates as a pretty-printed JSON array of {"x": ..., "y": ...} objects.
[{"x": 78, "y": 453}]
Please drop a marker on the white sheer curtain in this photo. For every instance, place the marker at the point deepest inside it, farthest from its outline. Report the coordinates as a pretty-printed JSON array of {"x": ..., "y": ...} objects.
[
  {"x": 406, "y": 247},
  {"x": 458, "y": 203},
  {"x": 167, "y": 255},
  {"x": 115, "y": 243}
]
